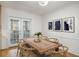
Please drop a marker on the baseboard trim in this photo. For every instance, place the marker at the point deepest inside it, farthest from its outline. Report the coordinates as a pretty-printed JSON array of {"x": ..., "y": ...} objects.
[{"x": 8, "y": 48}]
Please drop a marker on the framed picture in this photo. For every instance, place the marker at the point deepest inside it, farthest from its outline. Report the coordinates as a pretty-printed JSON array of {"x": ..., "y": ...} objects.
[
  {"x": 50, "y": 25},
  {"x": 69, "y": 24},
  {"x": 57, "y": 25}
]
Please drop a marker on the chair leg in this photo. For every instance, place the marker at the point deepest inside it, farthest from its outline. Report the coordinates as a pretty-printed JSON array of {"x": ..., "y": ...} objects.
[
  {"x": 64, "y": 54},
  {"x": 20, "y": 53},
  {"x": 17, "y": 52},
  {"x": 53, "y": 54},
  {"x": 30, "y": 53}
]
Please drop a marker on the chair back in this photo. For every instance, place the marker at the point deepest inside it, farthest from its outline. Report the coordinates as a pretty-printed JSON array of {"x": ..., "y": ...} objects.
[
  {"x": 25, "y": 46},
  {"x": 25, "y": 49},
  {"x": 19, "y": 42},
  {"x": 65, "y": 48},
  {"x": 45, "y": 38},
  {"x": 54, "y": 40}
]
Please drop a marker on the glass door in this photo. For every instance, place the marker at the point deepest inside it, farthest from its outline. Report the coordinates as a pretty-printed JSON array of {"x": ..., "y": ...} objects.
[
  {"x": 14, "y": 31},
  {"x": 26, "y": 29},
  {"x": 19, "y": 29}
]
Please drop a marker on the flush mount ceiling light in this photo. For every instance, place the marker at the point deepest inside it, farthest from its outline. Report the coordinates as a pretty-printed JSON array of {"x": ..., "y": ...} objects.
[{"x": 43, "y": 3}]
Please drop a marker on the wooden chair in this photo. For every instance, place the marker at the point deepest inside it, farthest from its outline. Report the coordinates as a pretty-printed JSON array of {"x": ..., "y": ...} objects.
[
  {"x": 18, "y": 45},
  {"x": 44, "y": 38},
  {"x": 54, "y": 40},
  {"x": 62, "y": 50},
  {"x": 25, "y": 50}
]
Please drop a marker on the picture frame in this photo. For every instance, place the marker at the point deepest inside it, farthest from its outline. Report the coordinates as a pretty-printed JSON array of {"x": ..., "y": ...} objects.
[
  {"x": 58, "y": 25},
  {"x": 69, "y": 24},
  {"x": 50, "y": 26}
]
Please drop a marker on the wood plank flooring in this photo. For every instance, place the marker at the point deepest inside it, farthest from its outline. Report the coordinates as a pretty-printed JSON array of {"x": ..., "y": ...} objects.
[{"x": 12, "y": 52}]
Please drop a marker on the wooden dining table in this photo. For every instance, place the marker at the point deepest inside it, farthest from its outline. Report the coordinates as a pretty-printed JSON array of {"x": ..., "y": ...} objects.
[{"x": 41, "y": 46}]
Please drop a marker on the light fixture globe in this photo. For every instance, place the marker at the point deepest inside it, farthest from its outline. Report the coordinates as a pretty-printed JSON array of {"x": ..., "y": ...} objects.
[{"x": 43, "y": 3}]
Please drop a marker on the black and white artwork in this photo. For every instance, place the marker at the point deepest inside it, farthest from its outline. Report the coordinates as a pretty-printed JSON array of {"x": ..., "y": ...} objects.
[
  {"x": 63, "y": 24},
  {"x": 69, "y": 24},
  {"x": 50, "y": 25},
  {"x": 57, "y": 25}
]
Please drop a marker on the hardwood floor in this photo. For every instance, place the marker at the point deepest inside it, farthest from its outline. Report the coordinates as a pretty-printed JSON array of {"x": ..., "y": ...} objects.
[
  {"x": 12, "y": 52},
  {"x": 9, "y": 51}
]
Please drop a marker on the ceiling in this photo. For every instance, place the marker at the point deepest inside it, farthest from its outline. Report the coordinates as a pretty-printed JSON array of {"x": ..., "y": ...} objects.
[{"x": 34, "y": 7}]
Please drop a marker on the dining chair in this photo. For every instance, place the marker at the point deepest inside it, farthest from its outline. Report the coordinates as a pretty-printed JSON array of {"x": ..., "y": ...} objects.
[
  {"x": 18, "y": 45},
  {"x": 62, "y": 50},
  {"x": 44, "y": 38},
  {"x": 26, "y": 50},
  {"x": 54, "y": 40}
]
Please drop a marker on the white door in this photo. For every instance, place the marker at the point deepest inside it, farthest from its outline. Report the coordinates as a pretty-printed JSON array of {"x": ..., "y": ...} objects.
[
  {"x": 19, "y": 29},
  {"x": 26, "y": 29},
  {"x": 14, "y": 35}
]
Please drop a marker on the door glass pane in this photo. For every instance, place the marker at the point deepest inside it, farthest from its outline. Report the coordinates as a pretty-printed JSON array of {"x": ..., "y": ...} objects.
[
  {"x": 14, "y": 31},
  {"x": 26, "y": 29}
]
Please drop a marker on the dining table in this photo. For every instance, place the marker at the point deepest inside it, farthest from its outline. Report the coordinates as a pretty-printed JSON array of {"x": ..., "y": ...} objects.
[{"x": 42, "y": 46}]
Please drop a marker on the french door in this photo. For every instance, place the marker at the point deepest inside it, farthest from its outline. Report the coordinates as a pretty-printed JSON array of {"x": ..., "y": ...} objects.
[
  {"x": 14, "y": 35},
  {"x": 26, "y": 29},
  {"x": 19, "y": 29}
]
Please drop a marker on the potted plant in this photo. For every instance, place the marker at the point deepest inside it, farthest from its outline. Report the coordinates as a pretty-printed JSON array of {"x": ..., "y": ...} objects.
[{"x": 38, "y": 34}]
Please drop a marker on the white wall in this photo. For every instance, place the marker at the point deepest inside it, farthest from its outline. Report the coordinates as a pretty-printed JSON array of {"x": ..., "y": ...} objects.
[
  {"x": 69, "y": 39},
  {"x": 6, "y": 12},
  {"x": 0, "y": 26}
]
